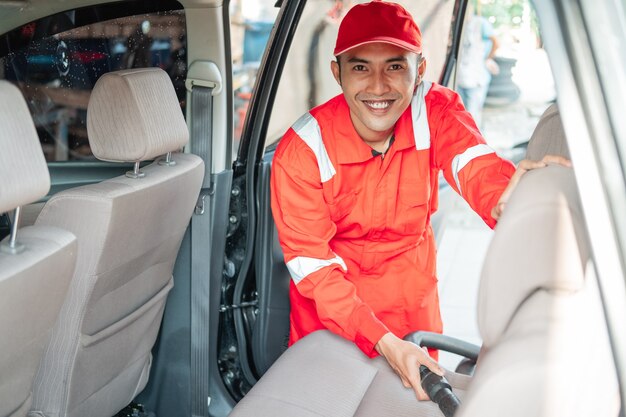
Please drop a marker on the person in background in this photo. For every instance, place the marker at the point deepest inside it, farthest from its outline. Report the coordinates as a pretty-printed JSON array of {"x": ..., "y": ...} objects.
[{"x": 476, "y": 65}]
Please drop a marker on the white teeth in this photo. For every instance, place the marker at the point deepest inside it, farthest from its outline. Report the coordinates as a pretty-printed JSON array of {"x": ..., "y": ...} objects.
[{"x": 378, "y": 105}]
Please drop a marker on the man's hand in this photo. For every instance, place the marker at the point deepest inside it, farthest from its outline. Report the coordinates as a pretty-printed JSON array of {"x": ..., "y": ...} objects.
[
  {"x": 522, "y": 168},
  {"x": 405, "y": 359}
]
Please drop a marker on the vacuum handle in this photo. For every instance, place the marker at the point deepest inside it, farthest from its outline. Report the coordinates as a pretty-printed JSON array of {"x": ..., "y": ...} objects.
[{"x": 440, "y": 392}]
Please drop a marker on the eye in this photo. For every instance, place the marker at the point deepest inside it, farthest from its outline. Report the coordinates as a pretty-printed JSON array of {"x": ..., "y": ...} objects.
[
  {"x": 395, "y": 67},
  {"x": 359, "y": 67}
]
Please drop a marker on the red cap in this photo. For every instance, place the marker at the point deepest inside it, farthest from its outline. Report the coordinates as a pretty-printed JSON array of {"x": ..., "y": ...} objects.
[{"x": 378, "y": 21}]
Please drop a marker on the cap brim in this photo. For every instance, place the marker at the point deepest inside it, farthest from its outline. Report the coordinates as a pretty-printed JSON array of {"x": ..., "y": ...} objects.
[{"x": 391, "y": 41}]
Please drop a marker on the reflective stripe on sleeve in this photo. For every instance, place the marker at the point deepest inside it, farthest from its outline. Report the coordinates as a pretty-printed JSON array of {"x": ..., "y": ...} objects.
[
  {"x": 421, "y": 131},
  {"x": 309, "y": 131},
  {"x": 459, "y": 161},
  {"x": 302, "y": 266}
]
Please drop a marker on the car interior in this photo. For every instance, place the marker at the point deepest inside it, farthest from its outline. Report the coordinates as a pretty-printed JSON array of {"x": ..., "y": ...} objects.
[{"x": 140, "y": 269}]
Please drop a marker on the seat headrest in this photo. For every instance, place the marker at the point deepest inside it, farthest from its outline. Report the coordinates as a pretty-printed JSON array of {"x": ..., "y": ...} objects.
[
  {"x": 540, "y": 244},
  {"x": 134, "y": 115},
  {"x": 548, "y": 137},
  {"x": 23, "y": 168}
]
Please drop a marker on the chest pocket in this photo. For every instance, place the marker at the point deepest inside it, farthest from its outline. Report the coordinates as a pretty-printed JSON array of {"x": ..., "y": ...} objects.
[
  {"x": 413, "y": 206},
  {"x": 342, "y": 206}
]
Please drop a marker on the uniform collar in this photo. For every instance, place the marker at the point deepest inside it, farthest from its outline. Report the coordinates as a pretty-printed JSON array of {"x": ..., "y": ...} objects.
[{"x": 350, "y": 147}]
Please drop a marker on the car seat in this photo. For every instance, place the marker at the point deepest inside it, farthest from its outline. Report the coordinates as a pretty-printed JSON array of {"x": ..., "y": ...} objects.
[
  {"x": 36, "y": 264},
  {"x": 129, "y": 231}
]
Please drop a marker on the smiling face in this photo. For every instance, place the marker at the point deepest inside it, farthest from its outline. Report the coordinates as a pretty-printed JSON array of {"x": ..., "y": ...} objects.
[{"x": 378, "y": 81}]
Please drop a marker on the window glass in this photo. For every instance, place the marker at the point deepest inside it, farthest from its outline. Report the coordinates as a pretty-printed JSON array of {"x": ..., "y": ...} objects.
[
  {"x": 307, "y": 81},
  {"x": 56, "y": 62},
  {"x": 251, "y": 22}
]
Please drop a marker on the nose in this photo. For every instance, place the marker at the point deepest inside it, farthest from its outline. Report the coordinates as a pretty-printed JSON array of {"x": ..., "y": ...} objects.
[{"x": 378, "y": 83}]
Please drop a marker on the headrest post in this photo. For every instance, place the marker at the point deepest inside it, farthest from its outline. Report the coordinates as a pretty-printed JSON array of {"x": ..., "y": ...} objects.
[
  {"x": 168, "y": 161},
  {"x": 136, "y": 172},
  {"x": 13, "y": 247}
]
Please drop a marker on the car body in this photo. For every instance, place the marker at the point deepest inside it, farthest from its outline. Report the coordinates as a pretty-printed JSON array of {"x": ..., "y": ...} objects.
[{"x": 235, "y": 273}]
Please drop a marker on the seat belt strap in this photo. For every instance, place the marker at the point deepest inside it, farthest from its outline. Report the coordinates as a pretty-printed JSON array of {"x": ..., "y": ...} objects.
[{"x": 201, "y": 144}]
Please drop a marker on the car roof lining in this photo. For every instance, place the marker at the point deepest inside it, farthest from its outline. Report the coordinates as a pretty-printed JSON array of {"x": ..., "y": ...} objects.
[{"x": 15, "y": 13}]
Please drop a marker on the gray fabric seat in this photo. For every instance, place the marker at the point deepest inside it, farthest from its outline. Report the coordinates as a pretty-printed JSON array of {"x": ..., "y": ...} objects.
[
  {"x": 545, "y": 349},
  {"x": 129, "y": 231},
  {"x": 36, "y": 270},
  {"x": 546, "y": 352},
  {"x": 548, "y": 137},
  {"x": 326, "y": 375}
]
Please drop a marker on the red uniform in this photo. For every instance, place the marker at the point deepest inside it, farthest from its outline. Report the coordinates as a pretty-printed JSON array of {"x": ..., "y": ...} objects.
[{"x": 355, "y": 228}]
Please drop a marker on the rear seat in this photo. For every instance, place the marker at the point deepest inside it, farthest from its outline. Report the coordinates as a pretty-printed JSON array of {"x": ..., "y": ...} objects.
[{"x": 546, "y": 352}]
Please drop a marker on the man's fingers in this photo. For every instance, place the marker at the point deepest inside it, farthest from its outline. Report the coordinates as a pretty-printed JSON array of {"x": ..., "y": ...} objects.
[
  {"x": 524, "y": 166},
  {"x": 495, "y": 213},
  {"x": 417, "y": 387},
  {"x": 414, "y": 378},
  {"x": 421, "y": 394},
  {"x": 557, "y": 159},
  {"x": 431, "y": 364},
  {"x": 527, "y": 165}
]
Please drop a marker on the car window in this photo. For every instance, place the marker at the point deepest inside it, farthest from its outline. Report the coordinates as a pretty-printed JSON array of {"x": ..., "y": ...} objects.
[
  {"x": 307, "y": 81},
  {"x": 251, "y": 22},
  {"x": 56, "y": 61}
]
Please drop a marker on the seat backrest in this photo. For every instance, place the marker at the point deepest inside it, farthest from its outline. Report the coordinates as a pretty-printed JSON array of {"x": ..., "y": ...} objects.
[
  {"x": 545, "y": 351},
  {"x": 36, "y": 264},
  {"x": 548, "y": 137},
  {"x": 129, "y": 230}
]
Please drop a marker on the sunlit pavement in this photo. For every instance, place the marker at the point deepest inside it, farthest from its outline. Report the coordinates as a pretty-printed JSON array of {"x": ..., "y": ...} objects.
[{"x": 465, "y": 238}]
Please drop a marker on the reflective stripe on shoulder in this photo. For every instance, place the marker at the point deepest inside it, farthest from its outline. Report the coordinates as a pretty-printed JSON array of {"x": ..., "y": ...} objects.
[
  {"x": 459, "y": 161},
  {"x": 302, "y": 266},
  {"x": 421, "y": 131},
  {"x": 309, "y": 131}
]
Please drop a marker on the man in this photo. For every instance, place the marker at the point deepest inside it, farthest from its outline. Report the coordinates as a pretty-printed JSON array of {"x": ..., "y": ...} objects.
[{"x": 354, "y": 183}]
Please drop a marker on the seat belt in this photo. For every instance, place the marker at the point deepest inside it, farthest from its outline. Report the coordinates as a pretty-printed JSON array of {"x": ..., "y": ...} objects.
[{"x": 201, "y": 144}]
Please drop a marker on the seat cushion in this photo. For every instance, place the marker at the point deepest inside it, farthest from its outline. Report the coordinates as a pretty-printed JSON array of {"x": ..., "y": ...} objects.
[{"x": 326, "y": 375}]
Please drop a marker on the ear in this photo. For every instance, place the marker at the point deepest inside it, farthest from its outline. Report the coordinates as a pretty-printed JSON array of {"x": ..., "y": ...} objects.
[
  {"x": 334, "y": 67},
  {"x": 421, "y": 70}
]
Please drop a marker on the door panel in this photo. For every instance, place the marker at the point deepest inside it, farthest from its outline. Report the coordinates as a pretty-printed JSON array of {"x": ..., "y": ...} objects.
[{"x": 271, "y": 331}]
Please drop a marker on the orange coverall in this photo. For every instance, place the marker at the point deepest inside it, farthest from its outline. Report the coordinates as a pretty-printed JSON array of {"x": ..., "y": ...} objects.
[{"x": 355, "y": 227}]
